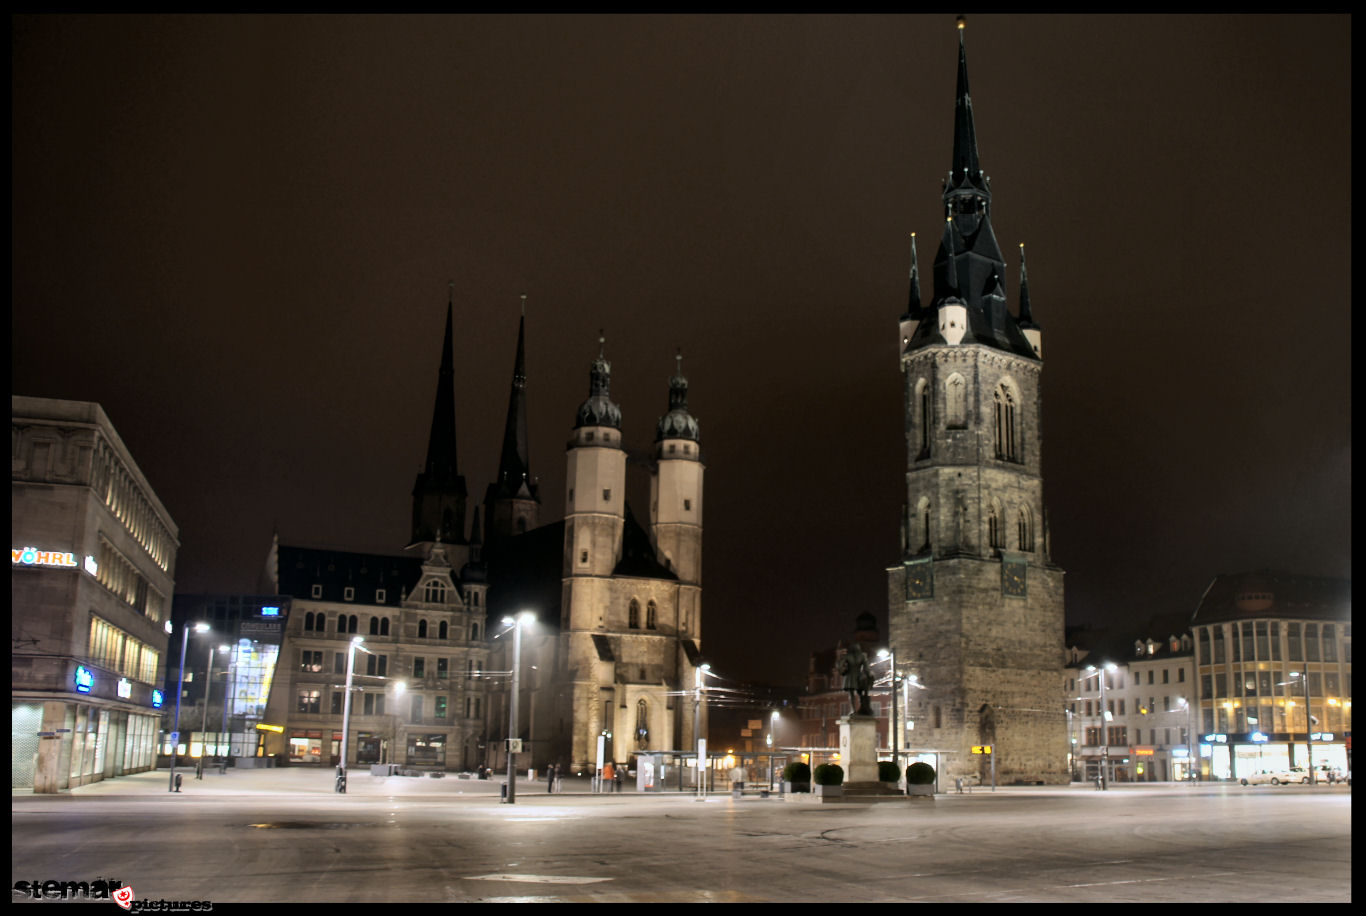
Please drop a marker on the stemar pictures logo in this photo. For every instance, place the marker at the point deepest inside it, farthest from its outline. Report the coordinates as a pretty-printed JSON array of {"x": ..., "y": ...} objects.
[{"x": 105, "y": 889}]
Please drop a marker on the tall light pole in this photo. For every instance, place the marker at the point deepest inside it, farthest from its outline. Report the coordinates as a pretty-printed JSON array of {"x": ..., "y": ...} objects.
[
  {"x": 180, "y": 690},
  {"x": 232, "y": 671},
  {"x": 1104, "y": 718},
  {"x": 772, "y": 735},
  {"x": 1303, "y": 678},
  {"x": 1192, "y": 762},
  {"x": 356, "y": 643},
  {"x": 522, "y": 619},
  {"x": 204, "y": 722},
  {"x": 699, "y": 672},
  {"x": 890, "y": 655}
]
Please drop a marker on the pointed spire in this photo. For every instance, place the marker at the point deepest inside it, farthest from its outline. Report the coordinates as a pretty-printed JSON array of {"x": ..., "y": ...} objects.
[
  {"x": 441, "y": 444},
  {"x": 1026, "y": 315},
  {"x": 953, "y": 258},
  {"x": 966, "y": 175},
  {"x": 913, "y": 307},
  {"x": 439, "y": 492},
  {"x": 514, "y": 465}
]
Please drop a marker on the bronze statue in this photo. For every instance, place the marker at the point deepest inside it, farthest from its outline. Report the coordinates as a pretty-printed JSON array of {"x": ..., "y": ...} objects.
[{"x": 858, "y": 678}]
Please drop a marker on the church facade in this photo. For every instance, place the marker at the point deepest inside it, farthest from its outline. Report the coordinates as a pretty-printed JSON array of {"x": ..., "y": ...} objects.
[
  {"x": 976, "y": 603},
  {"x": 617, "y": 605}
]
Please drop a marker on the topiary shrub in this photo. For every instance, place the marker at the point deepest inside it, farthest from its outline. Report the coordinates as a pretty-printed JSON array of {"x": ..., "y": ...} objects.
[
  {"x": 887, "y": 771},
  {"x": 796, "y": 772},
  {"x": 919, "y": 773},
  {"x": 829, "y": 774}
]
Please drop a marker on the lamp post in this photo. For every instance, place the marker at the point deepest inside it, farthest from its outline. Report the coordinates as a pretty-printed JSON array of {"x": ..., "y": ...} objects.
[
  {"x": 699, "y": 673},
  {"x": 1104, "y": 717},
  {"x": 180, "y": 690},
  {"x": 224, "y": 735},
  {"x": 1192, "y": 762},
  {"x": 890, "y": 655},
  {"x": 1303, "y": 678},
  {"x": 204, "y": 722},
  {"x": 346, "y": 709},
  {"x": 525, "y": 617}
]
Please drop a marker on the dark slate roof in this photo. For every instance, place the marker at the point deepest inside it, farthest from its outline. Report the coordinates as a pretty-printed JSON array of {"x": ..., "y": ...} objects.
[
  {"x": 300, "y": 568},
  {"x": 525, "y": 573},
  {"x": 638, "y": 554},
  {"x": 604, "y": 647},
  {"x": 1245, "y": 596}
]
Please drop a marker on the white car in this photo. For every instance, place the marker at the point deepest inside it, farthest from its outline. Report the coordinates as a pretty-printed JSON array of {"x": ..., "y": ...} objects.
[{"x": 1276, "y": 777}]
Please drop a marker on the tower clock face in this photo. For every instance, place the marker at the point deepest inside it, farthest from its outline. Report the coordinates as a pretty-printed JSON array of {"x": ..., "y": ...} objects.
[
  {"x": 1013, "y": 578},
  {"x": 919, "y": 580}
]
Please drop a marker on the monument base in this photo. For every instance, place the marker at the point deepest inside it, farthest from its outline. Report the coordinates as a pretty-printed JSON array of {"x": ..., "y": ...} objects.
[{"x": 858, "y": 749}]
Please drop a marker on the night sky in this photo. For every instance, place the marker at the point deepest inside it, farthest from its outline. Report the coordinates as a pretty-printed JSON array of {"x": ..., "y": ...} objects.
[{"x": 237, "y": 235}]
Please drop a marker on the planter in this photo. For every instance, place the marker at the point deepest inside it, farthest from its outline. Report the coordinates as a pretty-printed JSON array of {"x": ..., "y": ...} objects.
[
  {"x": 790, "y": 787},
  {"x": 922, "y": 791},
  {"x": 828, "y": 791}
]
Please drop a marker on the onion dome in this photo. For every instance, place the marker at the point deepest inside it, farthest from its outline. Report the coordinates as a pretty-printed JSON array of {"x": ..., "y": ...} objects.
[
  {"x": 678, "y": 423},
  {"x": 599, "y": 409}
]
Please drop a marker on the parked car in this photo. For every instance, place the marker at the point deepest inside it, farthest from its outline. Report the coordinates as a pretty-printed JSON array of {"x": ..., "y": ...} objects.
[
  {"x": 1328, "y": 773},
  {"x": 1276, "y": 777}
]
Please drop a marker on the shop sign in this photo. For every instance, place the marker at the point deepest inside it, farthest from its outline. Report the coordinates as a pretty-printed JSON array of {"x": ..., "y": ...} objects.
[
  {"x": 270, "y": 612},
  {"x": 1143, "y": 751},
  {"x": 125, "y": 688},
  {"x": 32, "y": 556},
  {"x": 85, "y": 679},
  {"x": 157, "y": 699},
  {"x": 1216, "y": 739}
]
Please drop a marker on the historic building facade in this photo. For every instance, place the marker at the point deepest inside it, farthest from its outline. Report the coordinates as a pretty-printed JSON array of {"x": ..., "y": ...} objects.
[
  {"x": 617, "y": 605},
  {"x": 92, "y": 574},
  {"x": 976, "y": 603}
]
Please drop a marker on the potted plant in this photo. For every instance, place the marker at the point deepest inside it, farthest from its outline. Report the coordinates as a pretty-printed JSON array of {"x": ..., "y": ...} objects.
[
  {"x": 920, "y": 779},
  {"x": 887, "y": 771},
  {"x": 796, "y": 777},
  {"x": 829, "y": 779}
]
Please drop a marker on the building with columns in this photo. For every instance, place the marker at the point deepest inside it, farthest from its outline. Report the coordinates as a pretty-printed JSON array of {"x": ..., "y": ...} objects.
[{"x": 975, "y": 601}]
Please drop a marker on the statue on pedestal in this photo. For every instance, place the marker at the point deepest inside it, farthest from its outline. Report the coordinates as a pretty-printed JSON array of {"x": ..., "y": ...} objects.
[{"x": 858, "y": 679}]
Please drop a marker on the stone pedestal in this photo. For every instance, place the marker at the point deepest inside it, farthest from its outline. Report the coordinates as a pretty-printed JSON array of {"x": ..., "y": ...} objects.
[{"x": 858, "y": 749}]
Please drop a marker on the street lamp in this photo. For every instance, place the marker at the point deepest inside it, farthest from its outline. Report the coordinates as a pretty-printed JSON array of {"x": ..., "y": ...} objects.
[
  {"x": 1192, "y": 762},
  {"x": 1104, "y": 717},
  {"x": 180, "y": 690},
  {"x": 231, "y": 683},
  {"x": 521, "y": 620},
  {"x": 346, "y": 708},
  {"x": 890, "y": 655},
  {"x": 1303, "y": 678},
  {"x": 204, "y": 722},
  {"x": 699, "y": 673}
]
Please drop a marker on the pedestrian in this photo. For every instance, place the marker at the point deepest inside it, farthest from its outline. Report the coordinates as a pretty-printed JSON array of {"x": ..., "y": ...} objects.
[
  {"x": 616, "y": 778},
  {"x": 608, "y": 776},
  {"x": 958, "y": 784},
  {"x": 550, "y": 779}
]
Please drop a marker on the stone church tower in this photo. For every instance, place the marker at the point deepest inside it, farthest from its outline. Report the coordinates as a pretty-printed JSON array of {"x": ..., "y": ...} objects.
[
  {"x": 976, "y": 604},
  {"x": 631, "y": 601}
]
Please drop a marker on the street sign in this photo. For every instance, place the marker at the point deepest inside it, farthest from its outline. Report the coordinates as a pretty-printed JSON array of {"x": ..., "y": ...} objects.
[
  {"x": 514, "y": 745},
  {"x": 981, "y": 748}
]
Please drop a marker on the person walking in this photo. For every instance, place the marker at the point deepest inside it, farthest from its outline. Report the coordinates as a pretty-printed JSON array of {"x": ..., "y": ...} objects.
[
  {"x": 550, "y": 780},
  {"x": 616, "y": 778},
  {"x": 609, "y": 774}
]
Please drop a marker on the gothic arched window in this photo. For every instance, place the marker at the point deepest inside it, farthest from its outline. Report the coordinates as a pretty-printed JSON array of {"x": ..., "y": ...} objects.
[
  {"x": 1026, "y": 529},
  {"x": 1007, "y": 425},
  {"x": 956, "y": 398},
  {"x": 995, "y": 535},
  {"x": 442, "y": 630},
  {"x": 633, "y": 617},
  {"x": 642, "y": 725},
  {"x": 384, "y": 627},
  {"x": 651, "y": 616},
  {"x": 922, "y": 521},
  {"x": 922, "y": 400},
  {"x": 434, "y": 592},
  {"x": 308, "y": 621},
  {"x": 422, "y": 629}
]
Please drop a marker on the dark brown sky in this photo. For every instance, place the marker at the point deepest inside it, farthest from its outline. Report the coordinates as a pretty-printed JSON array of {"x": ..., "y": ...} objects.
[{"x": 236, "y": 234}]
